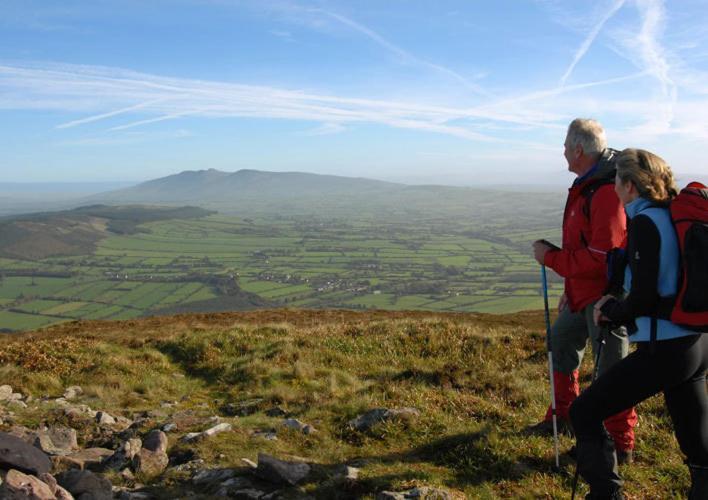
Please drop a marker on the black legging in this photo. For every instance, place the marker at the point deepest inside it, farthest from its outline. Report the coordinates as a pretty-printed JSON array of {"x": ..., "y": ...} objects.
[{"x": 678, "y": 368}]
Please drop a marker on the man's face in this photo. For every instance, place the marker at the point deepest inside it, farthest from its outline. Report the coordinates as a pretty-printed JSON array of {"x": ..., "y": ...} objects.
[{"x": 571, "y": 155}]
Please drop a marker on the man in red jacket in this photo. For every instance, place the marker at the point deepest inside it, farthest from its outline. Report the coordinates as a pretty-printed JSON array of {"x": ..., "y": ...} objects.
[{"x": 593, "y": 223}]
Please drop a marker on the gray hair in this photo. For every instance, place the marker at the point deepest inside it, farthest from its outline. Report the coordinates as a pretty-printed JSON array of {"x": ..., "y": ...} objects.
[{"x": 587, "y": 133}]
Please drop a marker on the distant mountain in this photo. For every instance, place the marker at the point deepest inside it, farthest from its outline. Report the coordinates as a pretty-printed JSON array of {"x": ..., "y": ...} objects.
[{"x": 214, "y": 186}]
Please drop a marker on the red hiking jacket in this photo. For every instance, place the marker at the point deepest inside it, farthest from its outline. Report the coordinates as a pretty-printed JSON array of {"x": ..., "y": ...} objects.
[{"x": 586, "y": 241}]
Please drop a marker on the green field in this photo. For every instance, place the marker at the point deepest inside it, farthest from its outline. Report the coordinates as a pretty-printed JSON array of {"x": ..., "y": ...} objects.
[{"x": 452, "y": 264}]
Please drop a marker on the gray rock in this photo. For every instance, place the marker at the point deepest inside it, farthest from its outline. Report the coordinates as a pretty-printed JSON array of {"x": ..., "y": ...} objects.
[
  {"x": 295, "y": 424},
  {"x": 5, "y": 392},
  {"x": 17, "y": 454},
  {"x": 347, "y": 473},
  {"x": 169, "y": 427},
  {"x": 211, "y": 476},
  {"x": 150, "y": 463},
  {"x": 123, "y": 455},
  {"x": 280, "y": 471},
  {"x": 57, "y": 440},
  {"x": 19, "y": 486},
  {"x": 376, "y": 416},
  {"x": 156, "y": 441},
  {"x": 240, "y": 494},
  {"x": 73, "y": 392},
  {"x": 86, "y": 485},
  {"x": 421, "y": 493},
  {"x": 103, "y": 418},
  {"x": 17, "y": 403},
  {"x": 59, "y": 492},
  {"x": 217, "y": 429},
  {"x": 191, "y": 437}
]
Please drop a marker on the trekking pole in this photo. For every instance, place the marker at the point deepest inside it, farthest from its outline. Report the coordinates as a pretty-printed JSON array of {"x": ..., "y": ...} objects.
[
  {"x": 550, "y": 363},
  {"x": 600, "y": 343}
]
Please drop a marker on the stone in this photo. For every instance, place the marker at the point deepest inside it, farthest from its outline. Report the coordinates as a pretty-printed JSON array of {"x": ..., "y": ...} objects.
[
  {"x": 211, "y": 476},
  {"x": 57, "y": 440},
  {"x": 217, "y": 429},
  {"x": 376, "y": 416},
  {"x": 156, "y": 441},
  {"x": 73, "y": 392},
  {"x": 197, "y": 436},
  {"x": 123, "y": 455},
  {"x": 62, "y": 494},
  {"x": 90, "y": 458},
  {"x": 5, "y": 392},
  {"x": 348, "y": 473},
  {"x": 86, "y": 485},
  {"x": 280, "y": 471},
  {"x": 15, "y": 396},
  {"x": 103, "y": 418},
  {"x": 420, "y": 493},
  {"x": 191, "y": 437},
  {"x": 19, "y": 486},
  {"x": 17, "y": 403},
  {"x": 49, "y": 480},
  {"x": 59, "y": 492},
  {"x": 249, "y": 463},
  {"x": 17, "y": 454},
  {"x": 150, "y": 463},
  {"x": 169, "y": 427},
  {"x": 239, "y": 494}
]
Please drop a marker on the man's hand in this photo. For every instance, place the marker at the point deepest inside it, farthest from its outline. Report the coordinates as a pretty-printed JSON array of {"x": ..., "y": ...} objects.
[
  {"x": 562, "y": 302},
  {"x": 597, "y": 315},
  {"x": 539, "y": 251}
]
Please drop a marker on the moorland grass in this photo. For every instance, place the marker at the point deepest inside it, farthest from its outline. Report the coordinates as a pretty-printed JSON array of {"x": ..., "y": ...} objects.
[{"x": 476, "y": 379}]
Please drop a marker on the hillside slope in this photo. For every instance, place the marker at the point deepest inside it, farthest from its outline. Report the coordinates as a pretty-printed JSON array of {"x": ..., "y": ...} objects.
[{"x": 473, "y": 380}]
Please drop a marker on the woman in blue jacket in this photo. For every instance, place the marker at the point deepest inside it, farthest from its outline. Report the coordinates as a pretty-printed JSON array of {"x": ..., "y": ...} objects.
[{"x": 674, "y": 364}]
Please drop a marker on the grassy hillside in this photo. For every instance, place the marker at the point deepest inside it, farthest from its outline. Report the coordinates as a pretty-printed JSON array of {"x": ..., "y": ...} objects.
[
  {"x": 476, "y": 379},
  {"x": 76, "y": 232}
]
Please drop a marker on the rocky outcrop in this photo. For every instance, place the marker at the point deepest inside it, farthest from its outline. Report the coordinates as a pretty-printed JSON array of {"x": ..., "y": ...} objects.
[
  {"x": 17, "y": 454},
  {"x": 19, "y": 486},
  {"x": 57, "y": 440},
  {"x": 280, "y": 471},
  {"x": 86, "y": 485}
]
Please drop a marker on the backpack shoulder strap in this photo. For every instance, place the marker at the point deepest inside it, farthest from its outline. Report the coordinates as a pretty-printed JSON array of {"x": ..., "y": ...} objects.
[{"x": 609, "y": 156}]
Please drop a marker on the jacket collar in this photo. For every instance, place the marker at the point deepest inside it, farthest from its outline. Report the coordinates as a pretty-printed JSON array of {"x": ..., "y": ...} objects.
[{"x": 636, "y": 206}]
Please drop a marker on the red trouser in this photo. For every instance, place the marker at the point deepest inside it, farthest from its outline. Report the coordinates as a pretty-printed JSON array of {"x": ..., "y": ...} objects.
[{"x": 620, "y": 426}]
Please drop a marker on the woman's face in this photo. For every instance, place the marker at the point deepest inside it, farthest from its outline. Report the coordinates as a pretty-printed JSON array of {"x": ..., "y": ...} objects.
[{"x": 625, "y": 190}]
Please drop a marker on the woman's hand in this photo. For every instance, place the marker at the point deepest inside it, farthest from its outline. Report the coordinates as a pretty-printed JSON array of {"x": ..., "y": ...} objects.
[{"x": 597, "y": 315}]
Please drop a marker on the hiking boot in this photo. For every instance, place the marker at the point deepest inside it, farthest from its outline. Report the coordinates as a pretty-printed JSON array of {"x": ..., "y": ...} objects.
[
  {"x": 545, "y": 428},
  {"x": 625, "y": 457}
]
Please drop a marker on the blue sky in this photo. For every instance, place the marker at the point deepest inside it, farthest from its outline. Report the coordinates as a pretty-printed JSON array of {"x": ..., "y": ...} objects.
[{"x": 454, "y": 92}]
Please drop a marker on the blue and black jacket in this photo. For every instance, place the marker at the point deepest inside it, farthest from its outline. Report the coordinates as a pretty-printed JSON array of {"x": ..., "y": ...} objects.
[{"x": 651, "y": 278}]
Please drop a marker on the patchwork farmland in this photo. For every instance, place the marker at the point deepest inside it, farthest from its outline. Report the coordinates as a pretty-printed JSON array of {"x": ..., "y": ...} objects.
[{"x": 185, "y": 265}]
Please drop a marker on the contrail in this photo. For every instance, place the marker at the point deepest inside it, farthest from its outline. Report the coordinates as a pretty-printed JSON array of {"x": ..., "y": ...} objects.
[
  {"x": 590, "y": 39},
  {"x": 109, "y": 114}
]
